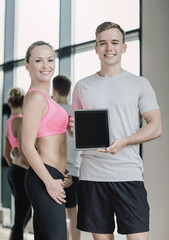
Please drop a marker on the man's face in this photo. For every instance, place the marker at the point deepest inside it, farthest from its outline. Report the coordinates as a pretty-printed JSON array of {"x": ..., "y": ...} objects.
[{"x": 110, "y": 46}]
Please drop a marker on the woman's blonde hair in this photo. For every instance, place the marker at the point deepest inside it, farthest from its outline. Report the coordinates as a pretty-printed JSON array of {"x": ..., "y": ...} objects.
[{"x": 36, "y": 44}]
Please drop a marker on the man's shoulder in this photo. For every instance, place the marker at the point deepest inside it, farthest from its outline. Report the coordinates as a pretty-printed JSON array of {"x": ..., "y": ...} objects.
[
  {"x": 132, "y": 75},
  {"x": 88, "y": 78},
  {"x": 138, "y": 78},
  {"x": 66, "y": 106}
]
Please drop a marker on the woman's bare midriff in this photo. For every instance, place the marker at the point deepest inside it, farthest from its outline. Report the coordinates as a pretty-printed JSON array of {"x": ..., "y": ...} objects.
[{"x": 52, "y": 150}]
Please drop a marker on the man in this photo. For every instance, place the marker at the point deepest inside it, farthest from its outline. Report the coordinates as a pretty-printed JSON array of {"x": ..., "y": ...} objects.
[
  {"x": 61, "y": 89},
  {"x": 111, "y": 181}
]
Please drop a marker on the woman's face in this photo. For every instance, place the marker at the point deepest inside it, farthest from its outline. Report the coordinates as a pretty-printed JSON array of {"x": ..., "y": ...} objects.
[{"x": 41, "y": 64}]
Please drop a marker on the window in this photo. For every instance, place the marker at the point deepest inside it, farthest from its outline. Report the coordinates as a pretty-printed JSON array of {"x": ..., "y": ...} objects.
[
  {"x": 22, "y": 78},
  {"x": 86, "y": 63},
  {"x": 36, "y": 20},
  {"x": 131, "y": 58},
  {"x": 89, "y": 14},
  {"x": 2, "y": 15},
  {"x": 1, "y": 91}
]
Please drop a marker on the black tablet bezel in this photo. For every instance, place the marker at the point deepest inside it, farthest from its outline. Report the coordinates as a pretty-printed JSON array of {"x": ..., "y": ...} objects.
[{"x": 106, "y": 127}]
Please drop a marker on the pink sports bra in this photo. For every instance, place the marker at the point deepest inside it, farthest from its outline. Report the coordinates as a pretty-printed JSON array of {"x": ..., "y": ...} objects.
[
  {"x": 13, "y": 140},
  {"x": 55, "y": 120}
]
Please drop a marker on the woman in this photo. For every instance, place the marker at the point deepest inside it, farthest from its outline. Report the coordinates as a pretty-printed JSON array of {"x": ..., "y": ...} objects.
[
  {"x": 18, "y": 165},
  {"x": 44, "y": 145}
]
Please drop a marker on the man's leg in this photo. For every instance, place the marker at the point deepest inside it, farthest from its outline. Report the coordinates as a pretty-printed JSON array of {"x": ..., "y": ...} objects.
[
  {"x": 138, "y": 236},
  {"x": 72, "y": 215},
  {"x": 99, "y": 236}
]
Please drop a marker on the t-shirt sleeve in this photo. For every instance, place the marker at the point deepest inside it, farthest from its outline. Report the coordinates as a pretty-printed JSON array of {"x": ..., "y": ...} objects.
[
  {"x": 147, "y": 99},
  {"x": 76, "y": 104}
]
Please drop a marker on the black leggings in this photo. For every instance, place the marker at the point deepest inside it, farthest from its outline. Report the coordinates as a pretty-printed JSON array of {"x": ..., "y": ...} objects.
[
  {"x": 16, "y": 176},
  {"x": 49, "y": 220}
]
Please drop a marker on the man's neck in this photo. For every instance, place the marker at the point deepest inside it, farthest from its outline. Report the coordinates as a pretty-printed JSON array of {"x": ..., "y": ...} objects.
[
  {"x": 61, "y": 99},
  {"x": 110, "y": 71}
]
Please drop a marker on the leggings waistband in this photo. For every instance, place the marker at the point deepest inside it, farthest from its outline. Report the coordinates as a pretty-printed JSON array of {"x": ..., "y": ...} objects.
[{"x": 54, "y": 172}]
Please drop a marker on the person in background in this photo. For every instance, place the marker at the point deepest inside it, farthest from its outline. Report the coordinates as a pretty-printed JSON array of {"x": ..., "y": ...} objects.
[
  {"x": 44, "y": 144},
  {"x": 61, "y": 90},
  {"x": 17, "y": 163},
  {"x": 111, "y": 179}
]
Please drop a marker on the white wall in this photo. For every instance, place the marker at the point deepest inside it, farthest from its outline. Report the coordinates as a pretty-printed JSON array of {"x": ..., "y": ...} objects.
[{"x": 156, "y": 153}]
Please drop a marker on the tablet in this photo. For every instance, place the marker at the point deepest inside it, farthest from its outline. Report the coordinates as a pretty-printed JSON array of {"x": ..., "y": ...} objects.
[{"x": 91, "y": 129}]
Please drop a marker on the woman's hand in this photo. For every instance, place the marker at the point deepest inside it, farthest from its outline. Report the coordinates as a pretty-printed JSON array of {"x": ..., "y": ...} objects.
[
  {"x": 115, "y": 147},
  {"x": 56, "y": 191},
  {"x": 67, "y": 182}
]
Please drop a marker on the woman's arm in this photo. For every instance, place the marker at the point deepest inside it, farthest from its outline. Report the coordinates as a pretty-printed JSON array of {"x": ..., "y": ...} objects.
[
  {"x": 8, "y": 149},
  {"x": 18, "y": 130},
  {"x": 35, "y": 107}
]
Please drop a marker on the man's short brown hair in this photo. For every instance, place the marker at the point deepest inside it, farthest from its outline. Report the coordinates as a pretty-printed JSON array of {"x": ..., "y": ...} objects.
[{"x": 109, "y": 25}]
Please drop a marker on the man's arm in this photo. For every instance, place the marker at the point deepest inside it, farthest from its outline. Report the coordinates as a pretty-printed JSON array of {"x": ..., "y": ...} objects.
[{"x": 151, "y": 130}]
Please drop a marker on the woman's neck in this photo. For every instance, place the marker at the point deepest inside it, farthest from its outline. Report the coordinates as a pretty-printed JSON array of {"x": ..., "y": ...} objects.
[
  {"x": 16, "y": 111},
  {"x": 43, "y": 88}
]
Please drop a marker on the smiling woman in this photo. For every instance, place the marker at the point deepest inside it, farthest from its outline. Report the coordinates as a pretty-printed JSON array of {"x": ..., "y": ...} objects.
[
  {"x": 44, "y": 145},
  {"x": 42, "y": 64}
]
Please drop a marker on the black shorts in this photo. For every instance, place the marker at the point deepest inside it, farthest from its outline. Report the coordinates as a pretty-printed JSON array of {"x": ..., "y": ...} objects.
[
  {"x": 100, "y": 201},
  {"x": 72, "y": 193}
]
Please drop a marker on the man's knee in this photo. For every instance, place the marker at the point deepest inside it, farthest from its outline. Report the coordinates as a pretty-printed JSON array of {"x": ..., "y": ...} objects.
[
  {"x": 99, "y": 236},
  {"x": 71, "y": 212},
  {"x": 138, "y": 236}
]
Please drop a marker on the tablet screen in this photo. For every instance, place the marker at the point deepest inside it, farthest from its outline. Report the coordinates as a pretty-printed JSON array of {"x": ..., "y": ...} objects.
[{"x": 91, "y": 129}]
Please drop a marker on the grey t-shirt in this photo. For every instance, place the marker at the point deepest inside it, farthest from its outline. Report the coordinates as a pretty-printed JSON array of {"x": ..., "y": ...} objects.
[
  {"x": 73, "y": 157},
  {"x": 127, "y": 97}
]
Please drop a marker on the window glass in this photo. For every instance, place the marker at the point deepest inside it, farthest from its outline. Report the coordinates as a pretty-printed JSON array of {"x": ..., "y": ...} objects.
[
  {"x": 1, "y": 89},
  {"x": 1, "y": 105},
  {"x": 125, "y": 13},
  {"x": 131, "y": 58},
  {"x": 22, "y": 78},
  {"x": 87, "y": 63},
  {"x": 1, "y": 83},
  {"x": 2, "y": 21},
  {"x": 36, "y": 20}
]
